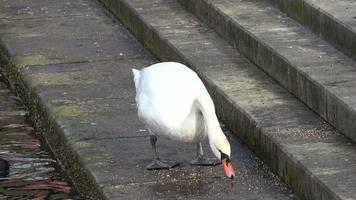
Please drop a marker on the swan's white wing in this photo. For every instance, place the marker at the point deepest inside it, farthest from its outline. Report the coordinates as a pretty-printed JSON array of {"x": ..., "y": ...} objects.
[{"x": 166, "y": 92}]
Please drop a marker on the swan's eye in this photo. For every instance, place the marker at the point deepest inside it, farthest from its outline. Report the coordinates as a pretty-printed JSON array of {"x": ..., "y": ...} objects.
[{"x": 224, "y": 156}]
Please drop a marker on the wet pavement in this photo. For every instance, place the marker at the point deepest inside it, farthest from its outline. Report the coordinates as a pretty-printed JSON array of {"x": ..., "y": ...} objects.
[{"x": 34, "y": 173}]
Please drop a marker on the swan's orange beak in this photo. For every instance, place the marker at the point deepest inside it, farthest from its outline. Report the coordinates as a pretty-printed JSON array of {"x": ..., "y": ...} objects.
[{"x": 229, "y": 170}]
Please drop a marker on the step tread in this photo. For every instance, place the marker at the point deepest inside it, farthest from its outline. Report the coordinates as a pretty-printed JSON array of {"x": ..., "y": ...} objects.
[
  {"x": 270, "y": 117},
  {"x": 333, "y": 20},
  {"x": 341, "y": 10}
]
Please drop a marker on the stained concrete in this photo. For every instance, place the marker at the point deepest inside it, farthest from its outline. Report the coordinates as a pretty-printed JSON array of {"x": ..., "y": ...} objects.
[
  {"x": 71, "y": 63},
  {"x": 18, "y": 9},
  {"x": 310, "y": 155}
]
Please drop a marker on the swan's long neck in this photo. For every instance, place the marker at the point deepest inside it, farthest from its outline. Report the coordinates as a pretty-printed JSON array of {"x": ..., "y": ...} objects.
[
  {"x": 217, "y": 139},
  {"x": 219, "y": 144},
  {"x": 206, "y": 106}
]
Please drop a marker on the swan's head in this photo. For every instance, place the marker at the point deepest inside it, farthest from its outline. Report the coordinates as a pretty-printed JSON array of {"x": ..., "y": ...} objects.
[
  {"x": 221, "y": 149},
  {"x": 217, "y": 139}
]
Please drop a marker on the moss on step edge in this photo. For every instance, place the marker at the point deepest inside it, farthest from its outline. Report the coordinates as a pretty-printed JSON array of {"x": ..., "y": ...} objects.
[{"x": 22, "y": 61}]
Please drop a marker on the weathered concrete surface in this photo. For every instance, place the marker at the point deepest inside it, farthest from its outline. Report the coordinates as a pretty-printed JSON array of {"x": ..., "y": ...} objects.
[
  {"x": 19, "y": 9},
  {"x": 334, "y": 20},
  {"x": 309, "y": 154},
  {"x": 72, "y": 67},
  {"x": 310, "y": 68}
]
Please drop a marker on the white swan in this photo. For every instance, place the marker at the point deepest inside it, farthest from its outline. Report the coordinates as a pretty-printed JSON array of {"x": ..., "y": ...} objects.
[{"x": 173, "y": 102}]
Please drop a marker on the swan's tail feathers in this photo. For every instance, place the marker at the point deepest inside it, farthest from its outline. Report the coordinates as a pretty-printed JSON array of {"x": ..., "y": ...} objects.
[{"x": 137, "y": 75}]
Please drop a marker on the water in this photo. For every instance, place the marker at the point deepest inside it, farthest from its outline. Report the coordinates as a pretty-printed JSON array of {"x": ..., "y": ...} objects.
[{"x": 34, "y": 173}]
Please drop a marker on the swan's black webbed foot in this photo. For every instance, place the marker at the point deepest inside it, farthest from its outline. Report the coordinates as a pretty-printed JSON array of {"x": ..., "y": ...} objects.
[
  {"x": 202, "y": 161},
  {"x": 162, "y": 164}
]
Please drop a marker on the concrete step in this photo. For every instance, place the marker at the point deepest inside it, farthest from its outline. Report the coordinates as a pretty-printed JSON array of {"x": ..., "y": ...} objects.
[
  {"x": 71, "y": 63},
  {"x": 310, "y": 155},
  {"x": 309, "y": 67},
  {"x": 333, "y": 20}
]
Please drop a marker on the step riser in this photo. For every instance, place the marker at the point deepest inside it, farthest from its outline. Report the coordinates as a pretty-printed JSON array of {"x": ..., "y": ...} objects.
[
  {"x": 319, "y": 99},
  {"x": 321, "y": 23},
  {"x": 236, "y": 118}
]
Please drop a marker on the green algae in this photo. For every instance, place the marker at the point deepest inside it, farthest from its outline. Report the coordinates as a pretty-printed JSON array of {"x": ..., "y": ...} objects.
[
  {"x": 22, "y": 61},
  {"x": 69, "y": 110},
  {"x": 72, "y": 78},
  {"x": 82, "y": 144}
]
